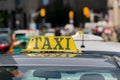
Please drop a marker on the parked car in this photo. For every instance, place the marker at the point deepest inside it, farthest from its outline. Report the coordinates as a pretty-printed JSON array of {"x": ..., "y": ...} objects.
[
  {"x": 4, "y": 43},
  {"x": 5, "y": 31},
  {"x": 25, "y": 33},
  {"x": 21, "y": 38}
]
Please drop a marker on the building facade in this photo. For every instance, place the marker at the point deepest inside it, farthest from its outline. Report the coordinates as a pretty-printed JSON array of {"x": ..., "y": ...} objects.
[
  {"x": 114, "y": 11},
  {"x": 20, "y": 11}
]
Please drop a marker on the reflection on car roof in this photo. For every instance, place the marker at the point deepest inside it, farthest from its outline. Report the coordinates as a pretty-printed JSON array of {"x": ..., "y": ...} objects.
[{"x": 23, "y": 60}]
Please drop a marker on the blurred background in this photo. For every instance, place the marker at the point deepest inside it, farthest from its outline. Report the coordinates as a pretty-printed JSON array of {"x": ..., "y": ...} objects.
[
  {"x": 17, "y": 14},
  {"x": 21, "y": 19}
]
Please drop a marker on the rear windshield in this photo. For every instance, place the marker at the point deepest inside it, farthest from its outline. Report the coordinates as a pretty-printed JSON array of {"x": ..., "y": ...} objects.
[{"x": 54, "y": 73}]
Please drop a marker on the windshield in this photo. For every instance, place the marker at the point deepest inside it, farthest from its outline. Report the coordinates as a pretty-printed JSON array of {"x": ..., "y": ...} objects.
[
  {"x": 20, "y": 35},
  {"x": 22, "y": 45},
  {"x": 54, "y": 73}
]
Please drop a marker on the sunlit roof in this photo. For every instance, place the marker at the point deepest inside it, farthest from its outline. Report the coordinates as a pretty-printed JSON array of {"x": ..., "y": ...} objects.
[{"x": 87, "y": 37}]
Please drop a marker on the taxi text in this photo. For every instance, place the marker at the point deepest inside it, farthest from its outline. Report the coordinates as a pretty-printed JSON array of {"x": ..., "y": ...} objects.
[{"x": 51, "y": 43}]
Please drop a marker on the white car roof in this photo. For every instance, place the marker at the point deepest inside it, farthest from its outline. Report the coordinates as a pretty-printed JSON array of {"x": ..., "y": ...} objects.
[
  {"x": 94, "y": 43},
  {"x": 24, "y": 31},
  {"x": 49, "y": 34},
  {"x": 98, "y": 46},
  {"x": 27, "y": 32},
  {"x": 87, "y": 37},
  {"x": 20, "y": 31}
]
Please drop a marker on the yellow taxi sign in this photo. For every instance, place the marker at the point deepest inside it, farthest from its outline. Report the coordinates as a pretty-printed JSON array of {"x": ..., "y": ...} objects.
[{"x": 52, "y": 43}]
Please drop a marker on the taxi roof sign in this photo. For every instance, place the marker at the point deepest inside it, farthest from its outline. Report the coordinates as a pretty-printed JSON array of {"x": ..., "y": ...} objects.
[{"x": 52, "y": 43}]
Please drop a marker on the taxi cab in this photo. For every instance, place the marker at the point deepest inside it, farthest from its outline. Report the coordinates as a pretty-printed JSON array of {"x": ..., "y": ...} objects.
[
  {"x": 19, "y": 40},
  {"x": 58, "y": 58},
  {"x": 25, "y": 33}
]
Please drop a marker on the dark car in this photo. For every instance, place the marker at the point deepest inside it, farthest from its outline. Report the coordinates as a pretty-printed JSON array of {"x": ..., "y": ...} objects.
[
  {"x": 5, "y": 31},
  {"x": 4, "y": 43}
]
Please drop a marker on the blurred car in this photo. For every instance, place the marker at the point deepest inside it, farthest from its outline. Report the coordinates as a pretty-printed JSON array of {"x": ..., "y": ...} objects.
[
  {"x": 4, "y": 43},
  {"x": 50, "y": 32},
  {"x": 25, "y": 33},
  {"x": 5, "y": 31},
  {"x": 17, "y": 45},
  {"x": 21, "y": 38}
]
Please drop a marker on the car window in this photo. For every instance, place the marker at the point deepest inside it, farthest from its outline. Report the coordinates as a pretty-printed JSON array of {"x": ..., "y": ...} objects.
[
  {"x": 75, "y": 76},
  {"x": 4, "y": 39},
  {"x": 63, "y": 74},
  {"x": 19, "y": 35},
  {"x": 21, "y": 45}
]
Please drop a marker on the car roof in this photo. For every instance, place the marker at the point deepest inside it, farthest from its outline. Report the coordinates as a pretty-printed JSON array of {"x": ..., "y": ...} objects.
[
  {"x": 20, "y": 31},
  {"x": 5, "y": 29},
  {"x": 98, "y": 46},
  {"x": 23, "y": 60},
  {"x": 25, "y": 31},
  {"x": 113, "y": 43},
  {"x": 86, "y": 37},
  {"x": 4, "y": 34}
]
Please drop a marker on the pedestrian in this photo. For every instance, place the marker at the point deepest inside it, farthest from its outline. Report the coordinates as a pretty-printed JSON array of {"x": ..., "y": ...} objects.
[
  {"x": 69, "y": 29},
  {"x": 32, "y": 25},
  {"x": 114, "y": 36},
  {"x": 57, "y": 31},
  {"x": 109, "y": 34},
  {"x": 100, "y": 30},
  {"x": 117, "y": 30}
]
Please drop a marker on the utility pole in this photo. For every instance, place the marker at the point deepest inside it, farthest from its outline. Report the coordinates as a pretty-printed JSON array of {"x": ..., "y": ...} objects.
[{"x": 91, "y": 16}]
